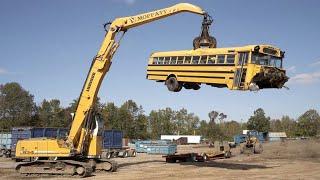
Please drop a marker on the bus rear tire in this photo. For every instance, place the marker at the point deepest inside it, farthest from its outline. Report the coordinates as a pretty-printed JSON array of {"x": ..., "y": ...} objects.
[{"x": 173, "y": 84}]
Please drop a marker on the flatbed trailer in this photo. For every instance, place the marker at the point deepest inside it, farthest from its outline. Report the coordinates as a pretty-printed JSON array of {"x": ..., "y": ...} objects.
[
  {"x": 123, "y": 152},
  {"x": 188, "y": 157}
]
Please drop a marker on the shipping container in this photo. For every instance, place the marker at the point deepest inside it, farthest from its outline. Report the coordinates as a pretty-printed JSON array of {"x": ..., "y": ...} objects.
[
  {"x": 5, "y": 140},
  {"x": 169, "y": 149},
  {"x": 112, "y": 144},
  {"x": 112, "y": 139},
  {"x": 49, "y": 132},
  {"x": 5, "y": 143}
]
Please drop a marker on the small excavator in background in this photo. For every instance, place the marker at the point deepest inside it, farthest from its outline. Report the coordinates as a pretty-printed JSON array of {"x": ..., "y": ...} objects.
[
  {"x": 80, "y": 153},
  {"x": 252, "y": 145}
]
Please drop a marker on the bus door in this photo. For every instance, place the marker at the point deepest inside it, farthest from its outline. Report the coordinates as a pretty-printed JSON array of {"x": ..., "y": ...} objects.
[{"x": 241, "y": 70}]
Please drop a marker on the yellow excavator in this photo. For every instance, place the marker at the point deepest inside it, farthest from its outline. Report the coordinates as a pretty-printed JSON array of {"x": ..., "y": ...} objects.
[{"x": 80, "y": 153}]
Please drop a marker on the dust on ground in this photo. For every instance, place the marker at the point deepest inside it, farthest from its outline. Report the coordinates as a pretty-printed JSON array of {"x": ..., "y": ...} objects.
[{"x": 279, "y": 160}]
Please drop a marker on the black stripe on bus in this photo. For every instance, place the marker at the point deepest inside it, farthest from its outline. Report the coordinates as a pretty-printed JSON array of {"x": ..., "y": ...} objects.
[
  {"x": 191, "y": 64},
  {"x": 202, "y": 76},
  {"x": 216, "y": 77},
  {"x": 193, "y": 71}
]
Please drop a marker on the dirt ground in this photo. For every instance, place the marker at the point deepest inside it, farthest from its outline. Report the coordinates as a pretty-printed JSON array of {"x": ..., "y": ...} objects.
[{"x": 279, "y": 160}]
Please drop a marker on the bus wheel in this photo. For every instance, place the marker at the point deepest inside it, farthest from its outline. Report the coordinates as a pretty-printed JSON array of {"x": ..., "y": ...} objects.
[
  {"x": 173, "y": 84},
  {"x": 195, "y": 87}
]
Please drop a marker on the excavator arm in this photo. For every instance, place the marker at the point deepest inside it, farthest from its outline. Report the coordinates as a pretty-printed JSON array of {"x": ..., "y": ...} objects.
[{"x": 102, "y": 62}]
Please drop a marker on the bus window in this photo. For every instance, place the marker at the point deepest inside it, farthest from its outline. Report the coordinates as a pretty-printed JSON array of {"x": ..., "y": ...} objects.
[
  {"x": 155, "y": 60},
  {"x": 187, "y": 60},
  {"x": 173, "y": 60},
  {"x": 230, "y": 58},
  {"x": 203, "y": 59},
  {"x": 195, "y": 59},
  {"x": 220, "y": 59},
  {"x": 212, "y": 60},
  {"x": 180, "y": 59},
  {"x": 166, "y": 60},
  {"x": 160, "y": 60}
]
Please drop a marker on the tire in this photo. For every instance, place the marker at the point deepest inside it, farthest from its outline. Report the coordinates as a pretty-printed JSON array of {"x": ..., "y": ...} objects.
[
  {"x": 108, "y": 156},
  {"x": 125, "y": 154},
  {"x": 173, "y": 84},
  {"x": 134, "y": 154},
  {"x": 196, "y": 87},
  {"x": 258, "y": 148},
  {"x": 205, "y": 157},
  {"x": 227, "y": 154}
]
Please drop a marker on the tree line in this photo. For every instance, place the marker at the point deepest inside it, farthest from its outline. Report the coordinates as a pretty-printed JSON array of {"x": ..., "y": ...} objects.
[{"x": 17, "y": 108}]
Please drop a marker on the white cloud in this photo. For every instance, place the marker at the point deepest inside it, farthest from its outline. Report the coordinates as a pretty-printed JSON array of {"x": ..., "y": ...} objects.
[
  {"x": 127, "y": 2},
  {"x": 305, "y": 78},
  {"x": 291, "y": 69},
  {"x": 3, "y": 71},
  {"x": 317, "y": 63}
]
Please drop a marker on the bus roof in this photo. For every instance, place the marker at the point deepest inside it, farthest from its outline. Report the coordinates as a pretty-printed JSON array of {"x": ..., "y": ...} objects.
[{"x": 208, "y": 51}]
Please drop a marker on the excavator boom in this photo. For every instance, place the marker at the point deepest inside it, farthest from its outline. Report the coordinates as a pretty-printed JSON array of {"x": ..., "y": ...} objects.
[
  {"x": 102, "y": 62},
  {"x": 80, "y": 153}
]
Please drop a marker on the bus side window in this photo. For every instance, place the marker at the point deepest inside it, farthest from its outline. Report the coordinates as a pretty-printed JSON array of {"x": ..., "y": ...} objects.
[
  {"x": 230, "y": 58},
  {"x": 203, "y": 59},
  {"x": 220, "y": 59},
  {"x": 160, "y": 60},
  {"x": 155, "y": 60},
  {"x": 180, "y": 60},
  {"x": 212, "y": 60},
  {"x": 187, "y": 60},
  {"x": 195, "y": 59},
  {"x": 173, "y": 60},
  {"x": 166, "y": 60}
]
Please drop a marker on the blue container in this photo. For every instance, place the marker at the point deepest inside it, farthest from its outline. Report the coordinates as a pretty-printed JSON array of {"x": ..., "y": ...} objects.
[
  {"x": 112, "y": 139},
  {"x": 49, "y": 132},
  {"x": 141, "y": 146},
  {"x": 238, "y": 139},
  {"x": 5, "y": 140},
  {"x": 161, "y": 149},
  {"x": 18, "y": 133},
  {"x": 38, "y": 132}
]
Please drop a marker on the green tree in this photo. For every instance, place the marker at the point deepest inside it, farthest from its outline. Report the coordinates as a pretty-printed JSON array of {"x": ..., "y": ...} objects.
[
  {"x": 259, "y": 121},
  {"x": 309, "y": 123},
  {"x": 110, "y": 114},
  {"x": 51, "y": 114},
  {"x": 17, "y": 107},
  {"x": 290, "y": 126},
  {"x": 162, "y": 122}
]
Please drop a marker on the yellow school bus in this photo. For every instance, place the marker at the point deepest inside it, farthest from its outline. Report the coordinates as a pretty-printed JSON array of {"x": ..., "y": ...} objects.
[{"x": 251, "y": 67}]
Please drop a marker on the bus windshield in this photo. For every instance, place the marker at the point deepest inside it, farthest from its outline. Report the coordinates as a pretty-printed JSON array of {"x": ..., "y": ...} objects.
[{"x": 266, "y": 60}]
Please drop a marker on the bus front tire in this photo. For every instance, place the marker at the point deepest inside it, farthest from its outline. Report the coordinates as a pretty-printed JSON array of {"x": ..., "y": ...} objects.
[{"x": 173, "y": 84}]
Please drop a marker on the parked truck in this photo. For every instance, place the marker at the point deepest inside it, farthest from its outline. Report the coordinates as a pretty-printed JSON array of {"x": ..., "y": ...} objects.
[{"x": 113, "y": 145}]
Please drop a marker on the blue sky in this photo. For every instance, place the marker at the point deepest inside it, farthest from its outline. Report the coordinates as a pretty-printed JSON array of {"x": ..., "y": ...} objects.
[{"x": 47, "y": 46}]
